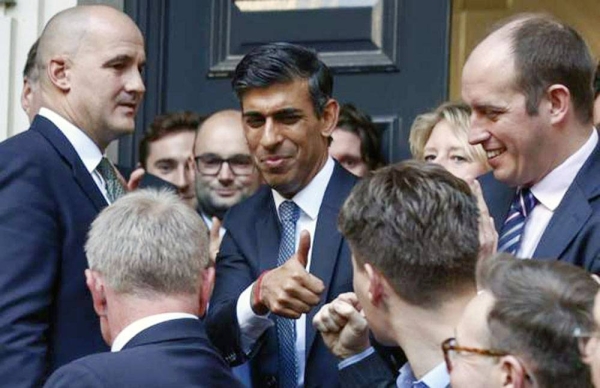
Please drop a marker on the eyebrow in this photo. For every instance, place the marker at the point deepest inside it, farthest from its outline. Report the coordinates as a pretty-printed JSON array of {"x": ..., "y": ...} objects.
[
  {"x": 278, "y": 113},
  {"x": 122, "y": 58}
]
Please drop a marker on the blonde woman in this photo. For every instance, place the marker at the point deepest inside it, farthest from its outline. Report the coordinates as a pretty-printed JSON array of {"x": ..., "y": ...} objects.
[{"x": 441, "y": 136}]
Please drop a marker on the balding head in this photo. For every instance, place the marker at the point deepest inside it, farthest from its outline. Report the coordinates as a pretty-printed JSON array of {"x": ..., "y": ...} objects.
[
  {"x": 218, "y": 185},
  {"x": 89, "y": 59}
]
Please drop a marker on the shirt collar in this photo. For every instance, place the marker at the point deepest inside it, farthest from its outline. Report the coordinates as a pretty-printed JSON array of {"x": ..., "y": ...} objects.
[
  {"x": 309, "y": 199},
  {"x": 436, "y": 378},
  {"x": 140, "y": 325},
  {"x": 88, "y": 151},
  {"x": 553, "y": 187}
]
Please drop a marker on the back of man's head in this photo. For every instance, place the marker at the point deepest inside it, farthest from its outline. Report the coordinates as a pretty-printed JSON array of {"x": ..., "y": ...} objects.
[
  {"x": 149, "y": 244},
  {"x": 537, "y": 307},
  {"x": 282, "y": 63},
  {"x": 417, "y": 224},
  {"x": 548, "y": 52}
]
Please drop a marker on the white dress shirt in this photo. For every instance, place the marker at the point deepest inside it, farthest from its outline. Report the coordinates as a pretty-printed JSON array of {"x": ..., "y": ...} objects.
[
  {"x": 549, "y": 193},
  {"x": 252, "y": 326},
  {"x": 140, "y": 325},
  {"x": 86, "y": 149}
]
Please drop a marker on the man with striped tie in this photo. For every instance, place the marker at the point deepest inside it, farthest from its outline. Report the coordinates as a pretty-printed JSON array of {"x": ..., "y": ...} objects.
[{"x": 529, "y": 83}]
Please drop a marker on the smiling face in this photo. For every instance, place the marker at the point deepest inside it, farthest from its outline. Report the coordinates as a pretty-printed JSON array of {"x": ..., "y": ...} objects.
[
  {"x": 444, "y": 148},
  {"x": 170, "y": 158},
  {"x": 287, "y": 140},
  {"x": 519, "y": 147},
  {"x": 106, "y": 85},
  {"x": 221, "y": 137}
]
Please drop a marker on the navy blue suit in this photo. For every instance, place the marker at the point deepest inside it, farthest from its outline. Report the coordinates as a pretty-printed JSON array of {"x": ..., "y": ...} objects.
[
  {"x": 573, "y": 233},
  {"x": 175, "y": 353},
  {"x": 251, "y": 246},
  {"x": 47, "y": 202}
]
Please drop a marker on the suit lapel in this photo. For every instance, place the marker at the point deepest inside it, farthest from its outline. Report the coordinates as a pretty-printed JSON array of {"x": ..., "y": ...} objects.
[
  {"x": 568, "y": 219},
  {"x": 498, "y": 197},
  {"x": 60, "y": 143},
  {"x": 327, "y": 243},
  {"x": 267, "y": 234}
]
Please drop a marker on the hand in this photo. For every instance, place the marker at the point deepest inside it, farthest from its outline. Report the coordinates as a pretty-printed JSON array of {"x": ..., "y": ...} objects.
[
  {"x": 343, "y": 327},
  {"x": 488, "y": 236},
  {"x": 289, "y": 290},
  {"x": 135, "y": 178},
  {"x": 215, "y": 239}
]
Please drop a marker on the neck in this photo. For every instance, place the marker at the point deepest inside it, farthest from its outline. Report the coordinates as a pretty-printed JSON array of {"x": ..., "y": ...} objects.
[
  {"x": 126, "y": 309},
  {"x": 420, "y": 332}
]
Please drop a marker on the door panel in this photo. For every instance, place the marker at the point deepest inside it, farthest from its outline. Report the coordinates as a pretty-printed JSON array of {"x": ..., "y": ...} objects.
[{"x": 390, "y": 57}]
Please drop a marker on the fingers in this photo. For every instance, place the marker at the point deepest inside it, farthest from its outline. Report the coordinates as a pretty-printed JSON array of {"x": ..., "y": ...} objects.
[
  {"x": 332, "y": 317},
  {"x": 135, "y": 178},
  {"x": 303, "y": 248}
]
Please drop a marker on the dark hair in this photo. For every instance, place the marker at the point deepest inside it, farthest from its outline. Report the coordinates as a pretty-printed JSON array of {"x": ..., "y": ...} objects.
[
  {"x": 537, "y": 307},
  {"x": 164, "y": 125},
  {"x": 597, "y": 81},
  {"x": 30, "y": 70},
  {"x": 548, "y": 52},
  {"x": 359, "y": 123},
  {"x": 418, "y": 225},
  {"x": 283, "y": 63}
]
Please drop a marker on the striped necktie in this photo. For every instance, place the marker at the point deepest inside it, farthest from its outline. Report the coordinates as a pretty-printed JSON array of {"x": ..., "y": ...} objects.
[
  {"x": 512, "y": 230},
  {"x": 286, "y": 328},
  {"x": 114, "y": 186}
]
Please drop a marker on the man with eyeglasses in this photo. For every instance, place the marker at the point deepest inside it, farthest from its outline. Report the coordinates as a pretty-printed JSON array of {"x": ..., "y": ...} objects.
[
  {"x": 225, "y": 173},
  {"x": 412, "y": 230},
  {"x": 519, "y": 330}
]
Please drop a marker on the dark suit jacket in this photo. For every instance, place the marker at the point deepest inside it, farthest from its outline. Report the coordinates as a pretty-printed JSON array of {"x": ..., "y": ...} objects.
[
  {"x": 47, "y": 202},
  {"x": 251, "y": 246},
  {"x": 573, "y": 233},
  {"x": 370, "y": 372},
  {"x": 175, "y": 353}
]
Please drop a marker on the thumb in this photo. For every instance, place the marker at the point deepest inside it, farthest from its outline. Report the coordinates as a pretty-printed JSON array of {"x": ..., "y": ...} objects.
[
  {"x": 135, "y": 178},
  {"x": 303, "y": 248}
]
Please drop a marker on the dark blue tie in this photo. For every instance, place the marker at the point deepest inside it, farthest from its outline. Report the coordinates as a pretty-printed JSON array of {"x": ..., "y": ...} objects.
[
  {"x": 512, "y": 230},
  {"x": 286, "y": 328}
]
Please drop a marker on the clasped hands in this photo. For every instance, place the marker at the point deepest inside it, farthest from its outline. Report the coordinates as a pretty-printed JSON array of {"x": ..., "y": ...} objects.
[{"x": 288, "y": 290}]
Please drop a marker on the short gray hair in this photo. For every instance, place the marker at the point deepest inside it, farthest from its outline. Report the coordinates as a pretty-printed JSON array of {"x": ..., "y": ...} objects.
[{"x": 149, "y": 242}]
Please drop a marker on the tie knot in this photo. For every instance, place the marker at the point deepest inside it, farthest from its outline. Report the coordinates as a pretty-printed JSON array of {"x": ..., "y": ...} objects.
[
  {"x": 527, "y": 201},
  {"x": 105, "y": 168},
  {"x": 289, "y": 211}
]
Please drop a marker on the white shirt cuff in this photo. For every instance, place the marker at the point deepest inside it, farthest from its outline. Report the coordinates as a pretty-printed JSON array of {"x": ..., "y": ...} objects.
[
  {"x": 356, "y": 358},
  {"x": 252, "y": 325}
]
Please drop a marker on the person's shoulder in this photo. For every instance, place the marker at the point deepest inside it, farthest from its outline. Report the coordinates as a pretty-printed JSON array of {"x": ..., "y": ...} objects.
[
  {"x": 78, "y": 373},
  {"x": 256, "y": 203}
]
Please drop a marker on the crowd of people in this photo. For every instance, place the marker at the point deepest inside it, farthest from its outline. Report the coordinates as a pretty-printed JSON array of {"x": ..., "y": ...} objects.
[{"x": 271, "y": 246}]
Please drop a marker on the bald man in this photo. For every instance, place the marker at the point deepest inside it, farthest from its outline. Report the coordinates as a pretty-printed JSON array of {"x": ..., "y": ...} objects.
[
  {"x": 89, "y": 61},
  {"x": 225, "y": 173}
]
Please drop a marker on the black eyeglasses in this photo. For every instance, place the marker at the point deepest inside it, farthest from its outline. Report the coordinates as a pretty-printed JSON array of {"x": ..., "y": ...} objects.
[
  {"x": 211, "y": 164},
  {"x": 451, "y": 348}
]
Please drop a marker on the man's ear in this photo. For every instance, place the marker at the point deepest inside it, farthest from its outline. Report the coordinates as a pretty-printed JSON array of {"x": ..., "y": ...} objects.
[
  {"x": 58, "y": 73},
  {"x": 375, "y": 285},
  {"x": 208, "y": 281},
  {"x": 512, "y": 371},
  {"x": 329, "y": 117},
  {"x": 559, "y": 98},
  {"x": 95, "y": 284}
]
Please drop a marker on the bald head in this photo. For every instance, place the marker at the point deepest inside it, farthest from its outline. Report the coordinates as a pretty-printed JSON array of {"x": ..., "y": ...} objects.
[
  {"x": 89, "y": 59},
  {"x": 221, "y": 138},
  {"x": 543, "y": 52}
]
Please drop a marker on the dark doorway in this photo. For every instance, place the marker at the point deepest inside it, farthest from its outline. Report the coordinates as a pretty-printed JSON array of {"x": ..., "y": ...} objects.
[{"x": 390, "y": 56}]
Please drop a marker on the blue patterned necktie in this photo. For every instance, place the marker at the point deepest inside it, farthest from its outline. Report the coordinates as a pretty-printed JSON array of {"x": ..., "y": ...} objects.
[
  {"x": 512, "y": 230},
  {"x": 114, "y": 187},
  {"x": 286, "y": 328}
]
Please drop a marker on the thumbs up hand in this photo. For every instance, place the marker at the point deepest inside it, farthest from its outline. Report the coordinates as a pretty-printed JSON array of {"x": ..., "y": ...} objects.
[{"x": 288, "y": 290}]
